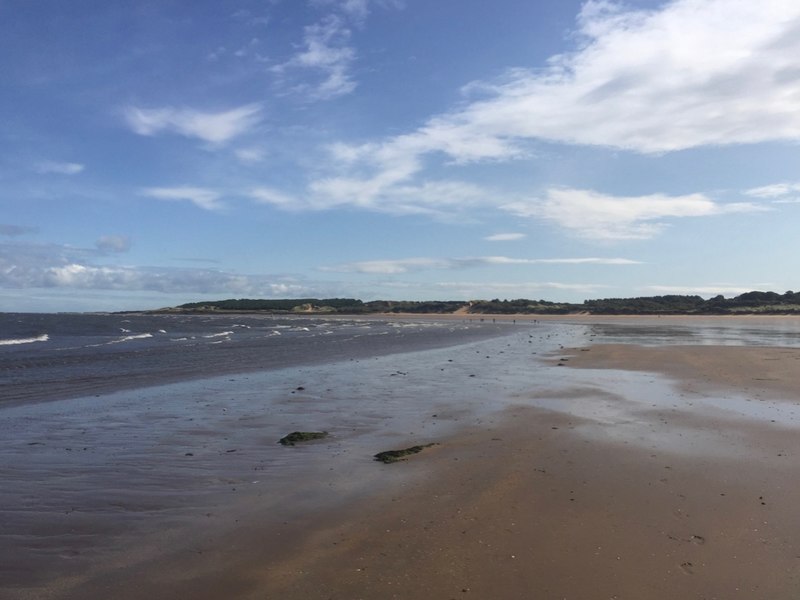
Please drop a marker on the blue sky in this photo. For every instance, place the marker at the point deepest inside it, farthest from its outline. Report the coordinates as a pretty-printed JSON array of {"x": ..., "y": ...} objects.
[{"x": 162, "y": 152}]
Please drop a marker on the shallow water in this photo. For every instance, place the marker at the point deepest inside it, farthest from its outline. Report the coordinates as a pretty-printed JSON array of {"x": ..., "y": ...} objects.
[
  {"x": 49, "y": 357},
  {"x": 84, "y": 476},
  {"x": 699, "y": 331}
]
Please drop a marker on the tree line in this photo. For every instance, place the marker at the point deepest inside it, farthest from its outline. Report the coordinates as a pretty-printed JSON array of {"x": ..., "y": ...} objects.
[{"x": 747, "y": 303}]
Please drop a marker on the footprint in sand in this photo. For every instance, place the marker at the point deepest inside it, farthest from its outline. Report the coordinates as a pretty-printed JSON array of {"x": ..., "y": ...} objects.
[{"x": 687, "y": 568}]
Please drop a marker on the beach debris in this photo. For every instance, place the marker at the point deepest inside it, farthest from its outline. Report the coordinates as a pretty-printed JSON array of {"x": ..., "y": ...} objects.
[
  {"x": 390, "y": 456},
  {"x": 302, "y": 436}
]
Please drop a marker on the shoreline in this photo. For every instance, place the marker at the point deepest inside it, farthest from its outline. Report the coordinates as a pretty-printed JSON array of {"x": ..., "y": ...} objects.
[{"x": 670, "y": 494}]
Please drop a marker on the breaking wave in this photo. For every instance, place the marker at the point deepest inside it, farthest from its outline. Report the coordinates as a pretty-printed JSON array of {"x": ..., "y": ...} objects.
[{"x": 30, "y": 340}]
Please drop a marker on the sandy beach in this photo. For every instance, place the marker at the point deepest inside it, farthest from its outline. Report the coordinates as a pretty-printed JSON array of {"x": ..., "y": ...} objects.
[
  {"x": 525, "y": 508},
  {"x": 625, "y": 472}
]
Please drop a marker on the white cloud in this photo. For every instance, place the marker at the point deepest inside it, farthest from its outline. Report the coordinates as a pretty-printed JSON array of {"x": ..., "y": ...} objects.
[
  {"x": 357, "y": 9},
  {"x": 326, "y": 50},
  {"x": 265, "y": 195},
  {"x": 691, "y": 73},
  {"x": 114, "y": 243},
  {"x": 593, "y": 215},
  {"x": 161, "y": 280},
  {"x": 505, "y": 237},
  {"x": 433, "y": 198},
  {"x": 406, "y": 265},
  {"x": 213, "y": 127},
  {"x": 707, "y": 290},
  {"x": 484, "y": 290},
  {"x": 59, "y": 168},
  {"x": 201, "y": 197},
  {"x": 250, "y": 155},
  {"x": 26, "y": 266},
  {"x": 776, "y": 190},
  {"x": 391, "y": 267},
  {"x": 646, "y": 80}
]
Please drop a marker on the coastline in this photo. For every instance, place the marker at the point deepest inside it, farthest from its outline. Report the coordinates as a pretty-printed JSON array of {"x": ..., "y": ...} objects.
[
  {"x": 529, "y": 506},
  {"x": 603, "y": 480}
]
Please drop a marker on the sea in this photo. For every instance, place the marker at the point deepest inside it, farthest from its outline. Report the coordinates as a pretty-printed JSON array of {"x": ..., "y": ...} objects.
[{"x": 58, "y": 356}]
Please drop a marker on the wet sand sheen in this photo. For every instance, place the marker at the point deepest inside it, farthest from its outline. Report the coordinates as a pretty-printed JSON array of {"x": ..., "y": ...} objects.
[
  {"x": 536, "y": 502},
  {"x": 527, "y": 508}
]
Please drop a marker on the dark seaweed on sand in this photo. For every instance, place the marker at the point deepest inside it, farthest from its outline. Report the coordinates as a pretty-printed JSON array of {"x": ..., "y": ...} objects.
[
  {"x": 302, "y": 436},
  {"x": 390, "y": 456}
]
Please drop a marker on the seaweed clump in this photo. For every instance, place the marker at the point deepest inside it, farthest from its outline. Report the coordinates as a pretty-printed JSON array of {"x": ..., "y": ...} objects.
[
  {"x": 390, "y": 456},
  {"x": 302, "y": 436}
]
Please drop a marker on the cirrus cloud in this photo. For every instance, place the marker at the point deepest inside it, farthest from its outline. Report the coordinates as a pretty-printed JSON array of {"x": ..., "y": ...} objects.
[
  {"x": 406, "y": 265},
  {"x": 505, "y": 237},
  {"x": 200, "y": 197},
  {"x": 213, "y": 127},
  {"x": 59, "y": 168}
]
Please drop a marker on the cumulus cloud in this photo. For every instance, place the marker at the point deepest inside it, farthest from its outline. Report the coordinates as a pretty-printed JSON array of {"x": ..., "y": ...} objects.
[
  {"x": 59, "y": 168},
  {"x": 505, "y": 237},
  {"x": 406, "y": 265},
  {"x": 200, "y": 197},
  {"x": 213, "y": 127},
  {"x": 593, "y": 215}
]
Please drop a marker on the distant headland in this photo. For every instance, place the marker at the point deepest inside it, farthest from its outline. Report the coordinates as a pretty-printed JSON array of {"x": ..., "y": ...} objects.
[{"x": 764, "y": 303}]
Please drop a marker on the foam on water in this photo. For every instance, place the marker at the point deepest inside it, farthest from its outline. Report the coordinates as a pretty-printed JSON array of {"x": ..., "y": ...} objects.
[
  {"x": 30, "y": 340},
  {"x": 216, "y": 335}
]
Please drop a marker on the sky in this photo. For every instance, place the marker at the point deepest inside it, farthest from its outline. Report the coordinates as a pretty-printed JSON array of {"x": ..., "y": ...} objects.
[{"x": 160, "y": 152}]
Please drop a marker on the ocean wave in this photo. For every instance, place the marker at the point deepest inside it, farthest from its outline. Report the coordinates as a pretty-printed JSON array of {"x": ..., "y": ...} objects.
[
  {"x": 14, "y": 341},
  {"x": 216, "y": 335},
  {"x": 128, "y": 338}
]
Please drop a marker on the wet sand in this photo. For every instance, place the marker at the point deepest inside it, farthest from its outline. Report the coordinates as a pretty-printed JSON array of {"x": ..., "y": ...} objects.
[
  {"x": 527, "y": 508},
  {"x": 683, "y": 488}
]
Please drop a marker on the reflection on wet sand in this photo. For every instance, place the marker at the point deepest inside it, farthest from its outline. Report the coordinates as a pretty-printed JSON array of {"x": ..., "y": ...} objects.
[{"x": 648, "y": 472}]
